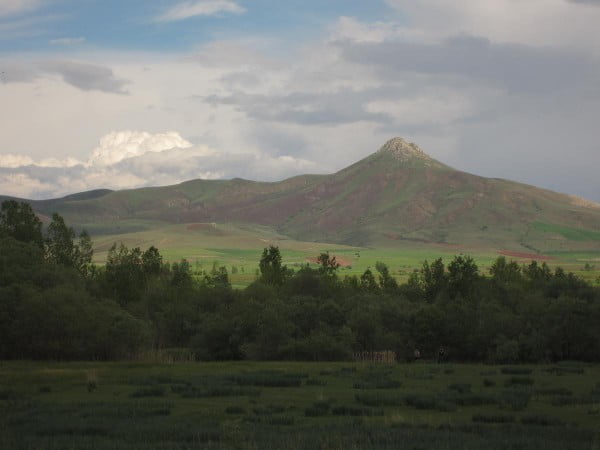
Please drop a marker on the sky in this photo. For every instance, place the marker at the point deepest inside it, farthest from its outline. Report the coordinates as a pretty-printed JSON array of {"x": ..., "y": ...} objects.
[{"x": 128, "y": 93}]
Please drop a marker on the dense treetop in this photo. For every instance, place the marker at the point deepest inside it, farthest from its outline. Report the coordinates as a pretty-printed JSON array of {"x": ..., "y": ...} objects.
[{"x": 55, "y": 304}]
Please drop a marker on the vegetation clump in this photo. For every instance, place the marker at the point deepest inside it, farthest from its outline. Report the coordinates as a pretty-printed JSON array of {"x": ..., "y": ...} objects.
[{"x": 56, "y": 305}]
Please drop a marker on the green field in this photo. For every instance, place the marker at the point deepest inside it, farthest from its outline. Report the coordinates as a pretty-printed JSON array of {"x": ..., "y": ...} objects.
[
  {"x": 239, "y": 247},
  {"x": 291, "y": 405}
]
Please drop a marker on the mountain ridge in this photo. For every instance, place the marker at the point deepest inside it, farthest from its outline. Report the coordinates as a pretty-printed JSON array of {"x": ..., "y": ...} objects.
[{"x": 397, "y": 194}]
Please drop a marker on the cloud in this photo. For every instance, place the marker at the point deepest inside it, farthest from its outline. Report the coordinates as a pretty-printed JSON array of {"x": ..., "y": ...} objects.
[
  {"x": 186, "y": 10},
  {"x": 82, "y": 75},
  {"x": 130, "y": 159},
  {"x": 13, "y": 7},
  {"x": 514, "y": 67},
  {"x": 531, "y": 22},
  {"x": 586, "y": 2},
  {"x": 119, "y": 145},
  {"x": 67, "y": 41},
  {"x": 85, "y": 76}
]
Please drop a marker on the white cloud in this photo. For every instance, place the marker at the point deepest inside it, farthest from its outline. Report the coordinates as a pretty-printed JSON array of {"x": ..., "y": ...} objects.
[
  {"x": 130, "y": 159},
  {"x": 23, "y": 186},
  {"x": 119, "y": 145},
  {"x": 14, "y": 161},
  {"x": 186, "y": 10},
  {"x": 10, "y": 7},
  {"x": 67, "y": 41}
]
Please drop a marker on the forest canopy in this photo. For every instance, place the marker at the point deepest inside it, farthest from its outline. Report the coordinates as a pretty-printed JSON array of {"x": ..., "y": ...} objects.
[{"x": 56, "y": 304}]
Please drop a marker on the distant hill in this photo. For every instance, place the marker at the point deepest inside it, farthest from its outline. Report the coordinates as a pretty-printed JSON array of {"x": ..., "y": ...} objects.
[{"x": 397, "y": 195}]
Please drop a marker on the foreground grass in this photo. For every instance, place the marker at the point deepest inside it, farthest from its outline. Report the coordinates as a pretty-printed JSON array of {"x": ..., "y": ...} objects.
[{"x": 248, "y": 405}]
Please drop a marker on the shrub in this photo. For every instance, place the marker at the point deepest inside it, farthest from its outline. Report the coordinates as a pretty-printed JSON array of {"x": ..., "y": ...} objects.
[
  {"x": 458, "y": 387},
  {"x": 488, "y": 383},
  {"x": 268, "y": 410},
  {"x": 493, "y": 418},
  {"x": 280, "y": 420},
  {"x": 355, "y": 411},
  {"x": 152, "y": 391},
  {"x": 318, "y": 409},
  {"x": 235, "y": 410},
  {"x": 378, "y": 384},
  {"x": 516, "y": 371},
  {"x": 563, "y": 370},
  {"x": 519, "y": 381},
  {"x": 316, "y": 382},
  {"x": 380, "y": 399},
  {"x": 540, "y": 419},
  {"x": 515, "y": 399},
  {"x": 554, "y": 391}
]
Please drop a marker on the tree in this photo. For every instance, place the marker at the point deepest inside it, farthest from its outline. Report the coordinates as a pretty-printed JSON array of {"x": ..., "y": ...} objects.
[
  {"x": 367, "y": 282},
  {"x": 59, "y": 242},
  {"x": 462, "y": 274},
  {"x": 503, "y": 272},
  {"x": 18, "y": 221},
  {"x": 271, "y": 270},
  {"x": 329, "y": 265},
  {"x": 386, "y": 281},
  {"x": 152, "y": 261},
  {"x": 124, "y": 274},
  {"x": 433, "y": 279},
  {"x": 85, "y": 252}
]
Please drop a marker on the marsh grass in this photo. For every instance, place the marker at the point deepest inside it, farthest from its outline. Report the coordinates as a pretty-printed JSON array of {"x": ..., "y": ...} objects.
[
  {"x": 516, "y": 370},
  {"x": 493, "y": 418},
  {"x": 242, "y": 405}
]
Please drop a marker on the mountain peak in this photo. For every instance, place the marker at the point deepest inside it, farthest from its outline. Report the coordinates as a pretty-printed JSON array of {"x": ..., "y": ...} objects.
[{"x": 403, "y": 150}]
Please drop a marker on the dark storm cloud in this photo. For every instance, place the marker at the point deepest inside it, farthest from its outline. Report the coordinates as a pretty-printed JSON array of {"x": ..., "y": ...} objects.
[
  {"x": 87, "y": 77},
  {"x": 586, "y": 2},
  {"x": 517, "y": 68},
  {"x": 305, "y": 108},
  {"x": 84, "y": 76}
]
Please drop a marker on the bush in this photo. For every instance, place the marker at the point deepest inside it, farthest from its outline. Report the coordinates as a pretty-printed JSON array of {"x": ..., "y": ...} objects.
[
  {"x": 488, "y": 383},
  {"x": 566, "y": 370},
  {"x": 493, "y": 418},
  {"x": 507, "y": 351},
  {"x": 318, "y": 409},
  {"x": 519, "y": 381},
  {"x": 458, "y": 387},
  {"x": 235, "y": 410},
  {"x": 540, "y": 419},
  {"x": 515, "y": 399},
  {"x": 152, "y": 391},
  {"x": 516, "y": 371},
  {"x": 355, "y": 411},
  {"x": 554, "y": 391},
  {"x": 379, "y": 399}
]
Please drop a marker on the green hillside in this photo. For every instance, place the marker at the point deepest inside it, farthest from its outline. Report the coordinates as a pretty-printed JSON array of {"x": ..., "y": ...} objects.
[{"x": 397, "y": 196}]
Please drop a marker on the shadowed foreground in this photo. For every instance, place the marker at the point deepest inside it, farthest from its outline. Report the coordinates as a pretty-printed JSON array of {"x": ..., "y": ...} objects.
[{"x": 242, "y": 405}]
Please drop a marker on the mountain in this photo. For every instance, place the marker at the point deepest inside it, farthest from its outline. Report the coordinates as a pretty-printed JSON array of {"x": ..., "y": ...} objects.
[{"x": 397, "y": 195}]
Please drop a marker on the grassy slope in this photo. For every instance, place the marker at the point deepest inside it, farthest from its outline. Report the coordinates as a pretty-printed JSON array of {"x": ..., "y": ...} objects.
[
  {"x": 241, "y": 245},
  {"x": 380, "y": 201}
]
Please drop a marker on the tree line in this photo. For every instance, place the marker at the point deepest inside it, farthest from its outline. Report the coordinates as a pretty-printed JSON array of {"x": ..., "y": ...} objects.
[{"x": 56, "y": 304}]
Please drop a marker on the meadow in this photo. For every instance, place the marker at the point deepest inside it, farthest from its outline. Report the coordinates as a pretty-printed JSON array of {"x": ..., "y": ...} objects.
[
  {"x": 295, "y": 405},
  {"x": 239, "y": 247}
]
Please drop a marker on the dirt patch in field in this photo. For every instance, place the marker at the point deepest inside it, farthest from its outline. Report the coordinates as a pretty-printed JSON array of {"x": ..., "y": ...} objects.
[
  {"x": 343, "y": 262},
  {"x": 526, "y": 255}
]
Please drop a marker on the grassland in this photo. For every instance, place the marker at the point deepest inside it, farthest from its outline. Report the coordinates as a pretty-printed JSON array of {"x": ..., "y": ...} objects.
[
  {"x": 285, "y": 405},
  {"x": 239, "y": 247}
]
